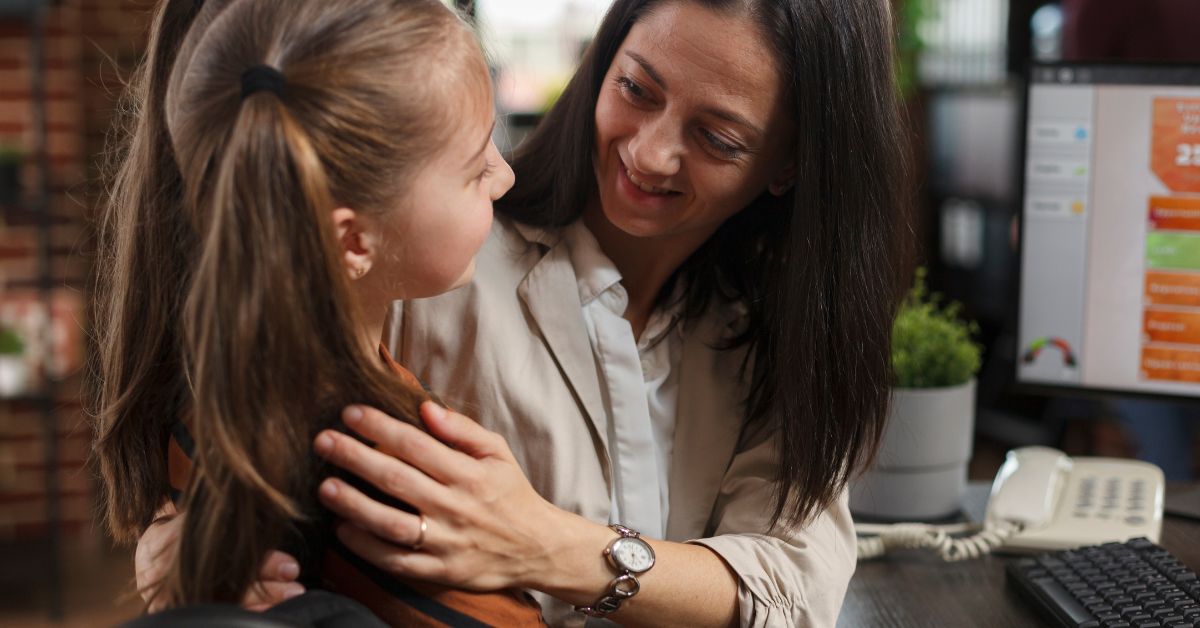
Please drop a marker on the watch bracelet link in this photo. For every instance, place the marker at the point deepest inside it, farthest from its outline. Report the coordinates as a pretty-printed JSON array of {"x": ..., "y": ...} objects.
[
  {"x": 611, "y": 601},
  {"x": 623, "y": 587}
]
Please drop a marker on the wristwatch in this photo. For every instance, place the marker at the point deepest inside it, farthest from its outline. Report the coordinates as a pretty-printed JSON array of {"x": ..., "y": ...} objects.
[{"x": 629, "y": 555}]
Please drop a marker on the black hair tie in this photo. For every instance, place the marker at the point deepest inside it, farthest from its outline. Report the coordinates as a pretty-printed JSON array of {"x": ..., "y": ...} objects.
[{"x": 260, "y": 78}]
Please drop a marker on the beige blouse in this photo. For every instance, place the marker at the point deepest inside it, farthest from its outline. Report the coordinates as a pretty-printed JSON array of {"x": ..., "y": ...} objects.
[{"x": 511, "y": 349}]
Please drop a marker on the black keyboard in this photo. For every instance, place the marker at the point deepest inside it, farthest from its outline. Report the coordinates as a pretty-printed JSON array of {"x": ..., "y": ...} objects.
[{"x": 1135, "y": 584}]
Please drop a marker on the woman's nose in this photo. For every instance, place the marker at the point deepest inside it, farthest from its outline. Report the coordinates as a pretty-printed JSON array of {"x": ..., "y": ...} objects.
[{"x": 656, "y": 147}]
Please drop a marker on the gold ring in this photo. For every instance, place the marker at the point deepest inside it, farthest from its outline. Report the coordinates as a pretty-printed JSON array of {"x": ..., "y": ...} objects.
[{"x": 416, "y": 547}]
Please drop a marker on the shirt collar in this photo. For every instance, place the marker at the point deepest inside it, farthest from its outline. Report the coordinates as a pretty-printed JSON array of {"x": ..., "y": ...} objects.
[{"x": 595, "y": 273}]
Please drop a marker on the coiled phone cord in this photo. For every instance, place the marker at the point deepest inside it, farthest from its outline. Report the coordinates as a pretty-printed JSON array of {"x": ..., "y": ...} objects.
[{"x": 936, "y": 538}]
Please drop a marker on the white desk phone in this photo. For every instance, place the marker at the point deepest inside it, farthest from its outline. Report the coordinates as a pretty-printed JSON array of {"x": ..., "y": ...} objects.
[{"x": 1043, "y": 500}]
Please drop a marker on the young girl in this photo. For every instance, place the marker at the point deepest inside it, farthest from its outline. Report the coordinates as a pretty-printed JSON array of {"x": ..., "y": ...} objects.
[{"x": 294, "y": 165}]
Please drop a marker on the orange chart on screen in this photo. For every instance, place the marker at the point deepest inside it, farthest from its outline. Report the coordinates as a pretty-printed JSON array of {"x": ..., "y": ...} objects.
[{"x": 1175, "y": 149}]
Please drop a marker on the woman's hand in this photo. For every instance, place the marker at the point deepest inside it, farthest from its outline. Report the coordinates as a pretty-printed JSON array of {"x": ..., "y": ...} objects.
[
  {"x": 485, "y": 526},
  {"x": 155, "y": 552},
  {"x": 487, "y": 529}
]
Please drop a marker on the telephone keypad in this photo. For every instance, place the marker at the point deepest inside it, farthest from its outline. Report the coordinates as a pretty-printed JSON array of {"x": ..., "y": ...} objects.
[{"x": 1122, "y": 501}]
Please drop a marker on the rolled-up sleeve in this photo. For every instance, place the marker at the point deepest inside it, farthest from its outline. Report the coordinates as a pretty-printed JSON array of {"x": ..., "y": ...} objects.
[{"x": 787, "y": 576}]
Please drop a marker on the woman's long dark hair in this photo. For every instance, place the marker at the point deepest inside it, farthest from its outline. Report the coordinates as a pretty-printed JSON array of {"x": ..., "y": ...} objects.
[
  {"x": 819, "y": 268},
  {"x": 221, "y": 296}
]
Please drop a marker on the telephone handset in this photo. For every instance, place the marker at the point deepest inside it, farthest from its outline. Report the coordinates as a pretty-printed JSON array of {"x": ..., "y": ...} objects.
[
  {"x": 1063, "y": 502},
  {"x": 1043, "y": 500}
]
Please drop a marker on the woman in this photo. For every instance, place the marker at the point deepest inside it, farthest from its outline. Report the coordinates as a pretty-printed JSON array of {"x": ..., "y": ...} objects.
[{"x": 681, "y": 324}]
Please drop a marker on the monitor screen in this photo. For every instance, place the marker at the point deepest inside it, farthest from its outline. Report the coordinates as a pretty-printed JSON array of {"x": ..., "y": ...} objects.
[{"x": 1110, "y": 234}]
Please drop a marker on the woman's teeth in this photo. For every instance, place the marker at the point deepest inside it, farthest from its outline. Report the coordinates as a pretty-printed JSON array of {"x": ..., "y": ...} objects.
[{"x": 649, "y": 189}]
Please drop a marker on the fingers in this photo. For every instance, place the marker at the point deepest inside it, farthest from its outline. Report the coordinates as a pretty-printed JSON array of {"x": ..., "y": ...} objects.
[
  {"x": 279, "y": 566},
  {"x": 463, "y": 433},
  {"x": 385, "y": 522},
  {"x": 390, "y": 475},
  {"x": 265, "y": 594},
  {"x": 391, "y": 558},
  {"x": 153, "y": 556},
  {"x": 407, "y": 443},
  {"x": 276, "y": 583}
]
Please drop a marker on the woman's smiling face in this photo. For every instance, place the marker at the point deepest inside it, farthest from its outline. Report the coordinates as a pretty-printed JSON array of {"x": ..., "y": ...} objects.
[{"x": 690, "y": 124}]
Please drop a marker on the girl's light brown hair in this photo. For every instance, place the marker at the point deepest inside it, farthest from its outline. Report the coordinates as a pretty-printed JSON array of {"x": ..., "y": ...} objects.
[{"x": 221, "y": 297}]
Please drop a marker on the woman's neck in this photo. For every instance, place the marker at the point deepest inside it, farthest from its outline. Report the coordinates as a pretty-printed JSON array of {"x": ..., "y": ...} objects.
[{"x": 645, "y": 264}]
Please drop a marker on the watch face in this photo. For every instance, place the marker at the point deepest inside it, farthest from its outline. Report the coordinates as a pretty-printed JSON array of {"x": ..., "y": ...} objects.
[{"x": 632, "y": 554}]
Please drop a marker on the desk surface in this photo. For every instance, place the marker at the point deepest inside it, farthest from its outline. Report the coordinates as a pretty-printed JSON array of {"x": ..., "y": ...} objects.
[{"x": 914, "y": 589}]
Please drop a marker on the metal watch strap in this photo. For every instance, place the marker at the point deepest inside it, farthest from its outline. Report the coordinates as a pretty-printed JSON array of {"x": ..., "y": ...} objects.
[
  {"x": 623, "y": 587},
  {"x": 628, "y": 533}
]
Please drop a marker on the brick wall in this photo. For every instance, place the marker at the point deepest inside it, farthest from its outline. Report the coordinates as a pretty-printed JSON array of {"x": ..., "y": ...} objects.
[{"x": 91, "y": 45}]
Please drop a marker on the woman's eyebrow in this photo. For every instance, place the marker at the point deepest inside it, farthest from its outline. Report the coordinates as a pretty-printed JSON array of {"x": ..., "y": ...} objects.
[{"x": 649, "y": 69}]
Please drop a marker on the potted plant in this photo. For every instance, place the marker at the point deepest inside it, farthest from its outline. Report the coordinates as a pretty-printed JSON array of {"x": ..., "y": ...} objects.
[
  {"x": 921, "y": 470},
  {"x": 14, "y": 371}
]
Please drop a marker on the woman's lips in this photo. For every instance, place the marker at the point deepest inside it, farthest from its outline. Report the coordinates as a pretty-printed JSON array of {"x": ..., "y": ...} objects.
[
  {"x": 646, "y": 187},
  {"x": 641, "y": 191}
]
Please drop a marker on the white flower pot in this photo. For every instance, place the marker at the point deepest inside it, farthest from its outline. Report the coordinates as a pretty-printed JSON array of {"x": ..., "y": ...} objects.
[
  {"x": 921, "y": 471},
  {"x": 14, "y": 375}
]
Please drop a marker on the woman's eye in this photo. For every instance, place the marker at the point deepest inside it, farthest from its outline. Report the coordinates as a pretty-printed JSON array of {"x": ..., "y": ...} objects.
[
  {"x": 630, "y": 88},
  {"x": 725, "y": 149}
]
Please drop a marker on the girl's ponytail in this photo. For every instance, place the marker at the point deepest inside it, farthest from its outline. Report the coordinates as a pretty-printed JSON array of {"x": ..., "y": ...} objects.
[{"x": 266, "y": 250}]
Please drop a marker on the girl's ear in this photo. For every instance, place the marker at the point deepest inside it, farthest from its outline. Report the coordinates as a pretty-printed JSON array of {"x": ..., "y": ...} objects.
[
  {"x": 358, "y": 241},
  {"x": 784, "y": 180}
]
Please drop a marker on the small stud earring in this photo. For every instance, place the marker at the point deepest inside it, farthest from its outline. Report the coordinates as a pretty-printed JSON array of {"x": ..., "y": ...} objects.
[{"x": 360, "y": 272}]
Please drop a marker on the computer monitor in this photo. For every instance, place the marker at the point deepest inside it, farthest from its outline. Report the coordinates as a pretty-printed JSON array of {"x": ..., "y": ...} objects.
[
  {"x": 1110, "y": 230},
  {"x": 1110, "y": 249}
]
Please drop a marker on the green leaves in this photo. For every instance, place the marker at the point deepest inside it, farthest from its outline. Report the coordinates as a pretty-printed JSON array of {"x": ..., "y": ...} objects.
[
  {"x": 10, "y": 342},
  {"x": 931, "y": 346}
]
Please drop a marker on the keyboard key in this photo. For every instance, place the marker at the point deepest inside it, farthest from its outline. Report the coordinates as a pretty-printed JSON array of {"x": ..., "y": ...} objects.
[{"x": 1049, "y": 562}]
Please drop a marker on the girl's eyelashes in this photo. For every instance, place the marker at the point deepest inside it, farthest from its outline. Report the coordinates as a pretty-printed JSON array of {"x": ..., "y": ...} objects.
[{"x": 488, "y": 168}]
